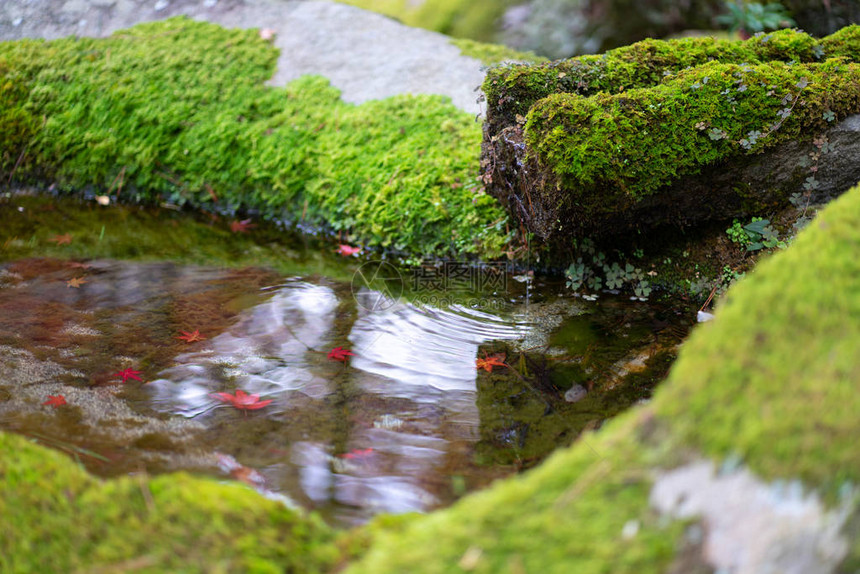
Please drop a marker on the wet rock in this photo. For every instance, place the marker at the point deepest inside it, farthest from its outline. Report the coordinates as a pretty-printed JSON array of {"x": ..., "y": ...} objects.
[{"x": 575, "y": 393}]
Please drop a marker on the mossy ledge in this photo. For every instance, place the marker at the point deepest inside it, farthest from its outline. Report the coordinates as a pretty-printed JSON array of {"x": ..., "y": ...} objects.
[
  {"x": 512, "y": 89},
  {"x": 177, "y": 111},
  {"x": 637, "y": 119},
  {"x": 743, "y": 391},
  {"x": 57, "y": 518}
]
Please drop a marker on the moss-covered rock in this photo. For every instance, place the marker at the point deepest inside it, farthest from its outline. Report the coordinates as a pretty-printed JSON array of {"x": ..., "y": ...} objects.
[
  {"x": 512, "y": 89},
  {"x": 569, "y": 143},
  {"x": 491, "y": 54},
  {"x": 177, "y": 111},
  {"x": 57, "y": 518},
  {"x": 771, "y": 384},
  {"x": 470, "y": 19}
]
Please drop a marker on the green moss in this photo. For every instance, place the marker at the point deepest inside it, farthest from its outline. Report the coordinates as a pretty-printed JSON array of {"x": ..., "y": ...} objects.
[
  {"x": 17, "y": 124},
  {"x": 774, "y": 378},
  {"x": 512, "y": 90},
  {"x": 475, "y": 19},
  {"x": 59, "y": 519},
  {"x": 178, "y": 111},
  {"x": 565, "y": 516},
  {"x": 610, "y": 148},
  {"x": 491, "y": 54}
]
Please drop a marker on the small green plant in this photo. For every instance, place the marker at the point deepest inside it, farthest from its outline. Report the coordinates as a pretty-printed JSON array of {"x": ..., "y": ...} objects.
[
  {"x": 576, "y": 275},
  {"x": 598, "y": 273},
  {"x": 737, "y": 234},
  {"x": 642, "y": 290},
  {"x": 756, "y": 235},
  {"x": 729, "y": 276},
  {"x": 750, "y": 18}
]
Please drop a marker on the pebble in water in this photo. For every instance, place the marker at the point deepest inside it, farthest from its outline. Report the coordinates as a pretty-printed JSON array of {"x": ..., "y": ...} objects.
[{"x": 575, "y": 393}]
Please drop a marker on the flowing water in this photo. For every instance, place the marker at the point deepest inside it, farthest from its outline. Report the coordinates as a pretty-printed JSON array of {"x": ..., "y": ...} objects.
[{"x": 406, "y": 423}]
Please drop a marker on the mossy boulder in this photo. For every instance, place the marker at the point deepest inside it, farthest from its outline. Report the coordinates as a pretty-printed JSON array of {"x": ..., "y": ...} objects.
[
  {"x": 57, "y": 518},
  {"x": 767, "y": 392},
  {"x": 593, "y": 145},
  {"x": 178, "y": 111}
]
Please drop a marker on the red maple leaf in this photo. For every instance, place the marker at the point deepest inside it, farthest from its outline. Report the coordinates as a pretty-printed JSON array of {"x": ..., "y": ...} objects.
[
  {"x": 127, "y": 374},
  {"x": 357, "y": 453},
  {"x": 55, "y": 400},
  {"x": 61, "y": 239},
  {"x": 488, "y": 362},
  {"x": 241, "y": 226},
  {"x": 340, "y": 354},
  {"x": 190, "y": 337},
  {"x": 347, "y": 250},
  {"x": 242, "y": 400}
]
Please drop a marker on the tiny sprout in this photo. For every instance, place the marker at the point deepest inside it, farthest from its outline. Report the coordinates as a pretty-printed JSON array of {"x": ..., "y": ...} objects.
[{"x": 828, "y": 116}]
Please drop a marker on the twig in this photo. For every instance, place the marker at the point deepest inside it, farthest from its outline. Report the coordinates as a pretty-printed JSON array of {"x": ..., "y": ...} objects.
[
  {"x": 17, "y": 163},
  {"x": 711, "y": 296}
]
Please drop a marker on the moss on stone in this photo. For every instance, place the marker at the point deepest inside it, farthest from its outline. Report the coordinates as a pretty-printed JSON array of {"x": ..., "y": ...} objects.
[
  {"x": 491, "y": 54},
  {"x": 512, "y": 90},
  {"x": 57, "y": 518},
  {"x": 565, "y": 516},
  {"x": 611, "y": 149},
  {"x": 774, "y": 378},
  {"x": 178, "y": 111},
  {"x": 574, "y": 147},
  {"x": 475, "y": 19}
]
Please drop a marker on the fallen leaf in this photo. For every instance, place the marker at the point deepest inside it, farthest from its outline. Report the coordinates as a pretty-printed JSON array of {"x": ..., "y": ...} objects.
[
  {"x": 340, "y": 354},
  {"x": 55, "y": 400},
  {"x": 347, "y": 250},
  {"x": 357, "y": 453},
  {"x": 242, "y": 400},
  {"x": 246, "y": 474},
  {"x": 241, "y": 226},
  {"x": 487, "y": 363},
  {"x": 191, "y": 337},
  {"x": 76, "y": 282},
  {"x": 64, "y": 239},
  {"x": 127, "y": 374}
]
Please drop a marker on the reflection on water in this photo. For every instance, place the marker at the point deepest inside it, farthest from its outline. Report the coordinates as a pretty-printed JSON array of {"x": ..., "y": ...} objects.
[
  {"x": 264, "y": 353},
  {"x": 408, "y": 395},
  {"x": 407, "y": 424}
]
